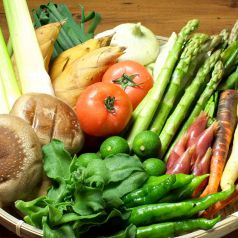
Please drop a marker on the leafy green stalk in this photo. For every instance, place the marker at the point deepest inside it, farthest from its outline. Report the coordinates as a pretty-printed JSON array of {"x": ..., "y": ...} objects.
[
  {"x": 190, "y": 96},
  {"x": 156, "y": 93},
  {"x": 72, "y": 33}
]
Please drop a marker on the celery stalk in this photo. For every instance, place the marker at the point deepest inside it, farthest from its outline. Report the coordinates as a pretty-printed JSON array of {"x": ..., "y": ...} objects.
[
  {"x": 30, "y": 65},
  {"x": 9, "y": 82}
]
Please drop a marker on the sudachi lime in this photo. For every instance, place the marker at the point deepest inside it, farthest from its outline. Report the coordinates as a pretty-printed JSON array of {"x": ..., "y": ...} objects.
[
  {"x": 154, "y": 166},
  {"x": 114, "y": 145},
  {"x": 146, "y": 145}
]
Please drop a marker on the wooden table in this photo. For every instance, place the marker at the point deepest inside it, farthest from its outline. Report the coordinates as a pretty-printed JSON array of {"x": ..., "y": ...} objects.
[{"x": 161, "y": 16}]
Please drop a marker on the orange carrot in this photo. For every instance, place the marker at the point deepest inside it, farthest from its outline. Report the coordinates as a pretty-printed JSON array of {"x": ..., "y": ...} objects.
[{"x": 227, "y": 119}]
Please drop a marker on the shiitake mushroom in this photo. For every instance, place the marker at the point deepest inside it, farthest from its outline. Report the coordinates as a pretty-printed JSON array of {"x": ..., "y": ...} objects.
[
  {"x": 51, "y": 118},
  {"x": 20, "y": 159}
]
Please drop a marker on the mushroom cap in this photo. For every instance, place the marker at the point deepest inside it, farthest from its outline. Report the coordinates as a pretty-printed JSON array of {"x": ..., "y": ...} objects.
[
  {"x": 20, "y": 159},
  {"x": 51, "y": 118}
]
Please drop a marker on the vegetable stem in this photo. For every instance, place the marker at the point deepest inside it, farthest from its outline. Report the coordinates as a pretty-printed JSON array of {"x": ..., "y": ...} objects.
[
  {"x": 154, "y": 96},
  {"x": 189, "y": 97},
  {"x": 29, "y": 60},
  {"x": 9, "y": 82}
]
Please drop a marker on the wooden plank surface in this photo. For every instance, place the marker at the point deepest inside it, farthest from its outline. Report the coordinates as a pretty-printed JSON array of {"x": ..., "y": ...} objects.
[{"x": 161, "y": 16}]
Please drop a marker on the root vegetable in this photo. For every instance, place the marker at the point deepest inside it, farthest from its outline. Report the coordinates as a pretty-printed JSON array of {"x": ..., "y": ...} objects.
[{"x": 227, "y": 118}]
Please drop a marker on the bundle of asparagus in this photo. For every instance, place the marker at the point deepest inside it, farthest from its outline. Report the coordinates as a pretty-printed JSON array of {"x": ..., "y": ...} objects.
[{"x": 197, "y": 67}]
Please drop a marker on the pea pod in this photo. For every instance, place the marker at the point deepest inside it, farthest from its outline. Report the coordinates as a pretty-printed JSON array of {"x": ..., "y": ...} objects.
[
  {"x": 181, "y": 179},
  {"x": 168, "y": 229},
  {"x": 149, "y": 193},
  {"x": 185, "y": 191},
  {"x": 153, "y": 213}
]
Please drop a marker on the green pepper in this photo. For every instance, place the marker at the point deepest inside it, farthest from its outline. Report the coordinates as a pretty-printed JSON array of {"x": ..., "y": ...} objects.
[
  {"x": 205, "y": 202},
  {"x": 181, "y": 179},
  {"x": 149, "y": 193},
  {"x": 149, "y": 214},
  {"x": 152, "y": 213},
  {"x": 185, "y": 191},
  {"x": 168, "y": 229}
]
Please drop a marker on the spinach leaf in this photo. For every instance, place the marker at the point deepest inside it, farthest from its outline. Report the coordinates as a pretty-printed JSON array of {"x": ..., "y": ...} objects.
[
  {"x": 113, "y": 193},
  {"x": 122, "y": 165},
  {"x": 63, "y": 231},
  {"x": 56, "y": 161}
]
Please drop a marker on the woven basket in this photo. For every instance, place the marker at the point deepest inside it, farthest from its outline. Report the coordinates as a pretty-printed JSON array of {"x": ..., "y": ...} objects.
[{"x": 228, "y": 223}]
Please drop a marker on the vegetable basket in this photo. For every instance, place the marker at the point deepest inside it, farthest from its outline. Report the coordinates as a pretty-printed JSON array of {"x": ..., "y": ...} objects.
[
  {"x": 225, "y": 226},
  {"x": 228, "y": 223}
]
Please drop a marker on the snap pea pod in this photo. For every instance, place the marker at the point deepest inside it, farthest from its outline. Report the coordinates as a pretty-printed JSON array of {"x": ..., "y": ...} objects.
[
  {"x": 168, "y": 229},
  {"x": 149, "y": 193},
  {"x": 181, "y": 179},
  {"x": 185, "y": 191}
]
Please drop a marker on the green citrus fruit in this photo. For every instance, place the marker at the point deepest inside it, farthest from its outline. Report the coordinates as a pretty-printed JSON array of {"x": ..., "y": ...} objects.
[
  {"x": 114, "y": 145},
  {"x": 146, "y": 145},
  {"x": 154, "y": 166}
]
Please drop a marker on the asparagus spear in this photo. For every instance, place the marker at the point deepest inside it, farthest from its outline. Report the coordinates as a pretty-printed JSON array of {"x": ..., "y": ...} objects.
[
  {"x": 225, "y": 38},
  {"x": 183, "y": 72},
  {"x": 182, "y": 109},
  {"x": 204, "y": 97},
  {"x": 155, "y": 94},
  {"x": 231, "y": 82},
  {"x": 210, "y": 107},
  {"x": 234, "y": 33},
  {"x": 230, "y": 58}
]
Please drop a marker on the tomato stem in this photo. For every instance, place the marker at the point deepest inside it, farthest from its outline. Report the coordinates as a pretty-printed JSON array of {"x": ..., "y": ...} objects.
[
  {"x": 109, "y": 103},
  {"x": 126, "y": 80}
]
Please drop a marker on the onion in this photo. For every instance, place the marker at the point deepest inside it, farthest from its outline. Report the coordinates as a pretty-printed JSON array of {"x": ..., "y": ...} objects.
[{"x": 141, "y": 43}]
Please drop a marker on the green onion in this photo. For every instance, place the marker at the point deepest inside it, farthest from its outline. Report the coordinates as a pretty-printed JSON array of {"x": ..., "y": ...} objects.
[
  {"x": 9, "y": 86},
  {"x": 30, "y": 65}
]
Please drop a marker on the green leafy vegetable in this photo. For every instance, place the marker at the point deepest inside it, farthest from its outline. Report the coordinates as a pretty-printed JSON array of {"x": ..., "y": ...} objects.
[
  {"x": 82, "y": 198},
  {"x": 72, "y": 32}
]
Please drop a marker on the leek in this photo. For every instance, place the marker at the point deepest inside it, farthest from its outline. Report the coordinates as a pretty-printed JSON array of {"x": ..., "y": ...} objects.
[
  {"x": 9, "y": 83},
  {"x": 4, "y": 108},
  {"x": 29, "y": 61}
]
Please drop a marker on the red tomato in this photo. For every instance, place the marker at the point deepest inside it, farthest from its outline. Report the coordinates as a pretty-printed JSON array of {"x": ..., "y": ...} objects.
[
  {"x": 133, "y": 77},
  {"x": 103, "y": 109}
]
